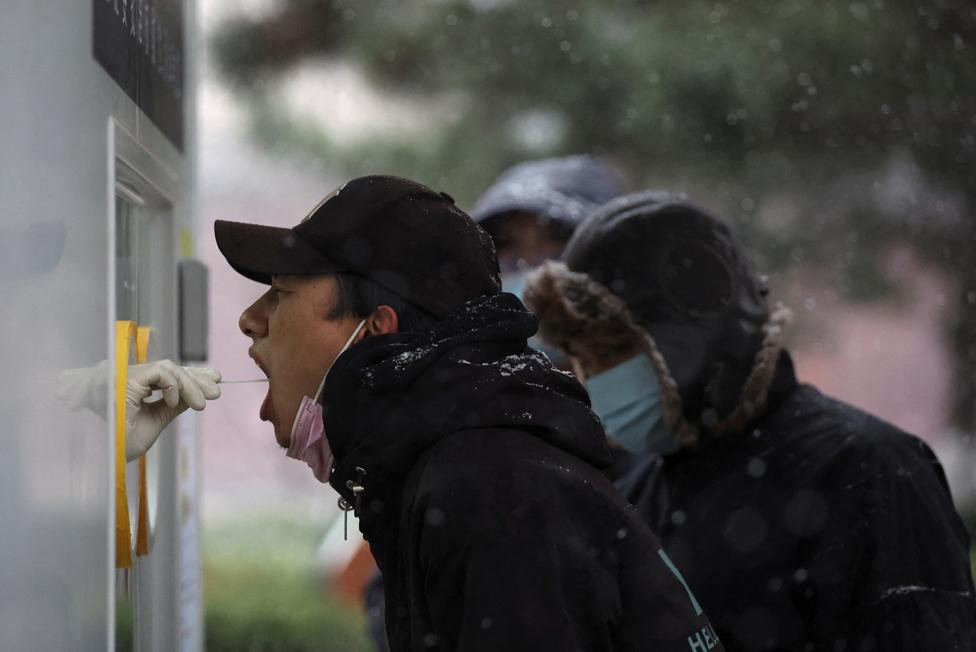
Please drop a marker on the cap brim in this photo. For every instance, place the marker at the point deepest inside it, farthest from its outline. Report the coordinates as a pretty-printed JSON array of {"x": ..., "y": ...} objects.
[{"x": 260, "y": 252}]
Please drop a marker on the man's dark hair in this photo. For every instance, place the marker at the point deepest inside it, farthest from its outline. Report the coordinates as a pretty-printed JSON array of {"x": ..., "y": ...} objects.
[{"x": 360, "y": 297}]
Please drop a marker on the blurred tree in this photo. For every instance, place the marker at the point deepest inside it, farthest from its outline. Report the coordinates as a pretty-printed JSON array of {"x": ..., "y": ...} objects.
[{"x": 861, "y": 113}]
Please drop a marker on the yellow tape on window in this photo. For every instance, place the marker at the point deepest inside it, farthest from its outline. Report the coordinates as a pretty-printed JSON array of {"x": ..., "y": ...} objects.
[
  {"x": 124, "y": 331},
  {"x": 142, "y": 529}
]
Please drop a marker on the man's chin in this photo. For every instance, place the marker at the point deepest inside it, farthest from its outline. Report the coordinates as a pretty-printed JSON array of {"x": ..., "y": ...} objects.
[{"x": 281, "y": 438}]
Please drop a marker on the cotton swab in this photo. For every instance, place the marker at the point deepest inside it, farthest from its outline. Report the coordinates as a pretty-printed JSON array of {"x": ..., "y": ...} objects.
[{"x": 240, "y": 382}]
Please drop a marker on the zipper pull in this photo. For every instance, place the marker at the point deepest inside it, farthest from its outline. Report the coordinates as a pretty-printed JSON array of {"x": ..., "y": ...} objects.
[
  {"x": 345, "y": 507},
  {"x": 357, "y": 491},
  {"x": 358, "y": 488}
]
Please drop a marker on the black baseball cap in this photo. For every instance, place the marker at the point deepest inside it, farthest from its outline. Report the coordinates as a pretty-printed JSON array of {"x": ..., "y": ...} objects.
[{"x": 398, "y": 233}]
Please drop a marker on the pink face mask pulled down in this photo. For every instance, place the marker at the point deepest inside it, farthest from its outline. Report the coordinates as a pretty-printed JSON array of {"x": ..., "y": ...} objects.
[{"x": 308, "y": 442}]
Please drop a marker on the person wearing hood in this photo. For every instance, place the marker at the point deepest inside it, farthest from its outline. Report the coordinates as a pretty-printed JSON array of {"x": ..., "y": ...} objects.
[
  {"x": 531, "y": 212},
  {"x": 532, "y": 209},
  {"x": 400, "y": 374},
  {"x": 801, "y": 522}
]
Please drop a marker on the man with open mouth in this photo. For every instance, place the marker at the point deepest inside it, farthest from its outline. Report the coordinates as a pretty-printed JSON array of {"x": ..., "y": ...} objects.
[{"x": 399, "y": 372}]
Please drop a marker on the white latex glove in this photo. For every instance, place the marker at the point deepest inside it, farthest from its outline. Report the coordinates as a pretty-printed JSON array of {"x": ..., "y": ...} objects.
[
  {"x": 86, "y": 387},
  {"x": 182, "y": 387}
]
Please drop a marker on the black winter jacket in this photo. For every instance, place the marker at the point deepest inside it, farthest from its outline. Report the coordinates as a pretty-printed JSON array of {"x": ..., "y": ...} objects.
[
  {"x": 481, "y": 503},
  {"x": 818, "y": 528}
]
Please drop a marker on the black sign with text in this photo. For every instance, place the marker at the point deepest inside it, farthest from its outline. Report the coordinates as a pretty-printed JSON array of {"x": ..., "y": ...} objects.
[{"x": 140, "y": 44}]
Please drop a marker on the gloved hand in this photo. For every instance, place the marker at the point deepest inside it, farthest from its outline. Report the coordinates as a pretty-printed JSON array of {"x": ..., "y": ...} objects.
[
  {"x": 182, "y": 387},
  {"x": 86, "y": 387}
]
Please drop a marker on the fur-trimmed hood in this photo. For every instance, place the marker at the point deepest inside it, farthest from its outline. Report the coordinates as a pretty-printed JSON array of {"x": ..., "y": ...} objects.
[{"x": 653, "y": 269}]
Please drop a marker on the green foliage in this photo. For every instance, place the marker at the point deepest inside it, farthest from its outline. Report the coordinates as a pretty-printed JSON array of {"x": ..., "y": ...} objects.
[
  {"x": 736, "y": 88},
  {"x": 262, "y": 594}
]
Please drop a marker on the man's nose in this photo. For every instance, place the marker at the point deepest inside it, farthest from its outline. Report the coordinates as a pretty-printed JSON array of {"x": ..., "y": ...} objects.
[{"x": 253, "y": 322}]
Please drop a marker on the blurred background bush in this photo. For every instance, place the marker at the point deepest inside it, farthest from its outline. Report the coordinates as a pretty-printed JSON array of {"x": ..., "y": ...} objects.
[{"x": 263, "y": 593}]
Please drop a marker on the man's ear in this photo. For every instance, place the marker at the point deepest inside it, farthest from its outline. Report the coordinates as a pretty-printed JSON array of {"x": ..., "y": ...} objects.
[{"x": 383, "y": 320}]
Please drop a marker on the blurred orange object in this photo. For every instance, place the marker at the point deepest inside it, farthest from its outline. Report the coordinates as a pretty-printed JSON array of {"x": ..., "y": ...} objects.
[{"x": 352, "y": 579}]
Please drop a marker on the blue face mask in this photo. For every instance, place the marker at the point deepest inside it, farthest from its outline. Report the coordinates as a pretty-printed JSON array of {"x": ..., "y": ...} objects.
[
  {"x": 627, "y": 399},
  {"x": 514, "y": 283}
]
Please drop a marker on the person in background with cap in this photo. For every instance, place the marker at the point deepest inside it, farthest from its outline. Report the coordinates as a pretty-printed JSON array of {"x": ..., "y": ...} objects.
[
  {"x": 399, "y": 372},
  {"x": 801, "y": 522}
]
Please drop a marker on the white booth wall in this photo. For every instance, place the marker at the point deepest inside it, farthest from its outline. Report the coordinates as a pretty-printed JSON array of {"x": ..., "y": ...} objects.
[{"x": 65, "y": 127}]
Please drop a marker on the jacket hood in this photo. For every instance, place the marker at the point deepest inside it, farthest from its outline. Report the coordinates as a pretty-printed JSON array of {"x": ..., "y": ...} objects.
[
  {"x": 563, "y": 190},
  {"x": 391, "y": 397},
  {"x": 656, "y": 266}
]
